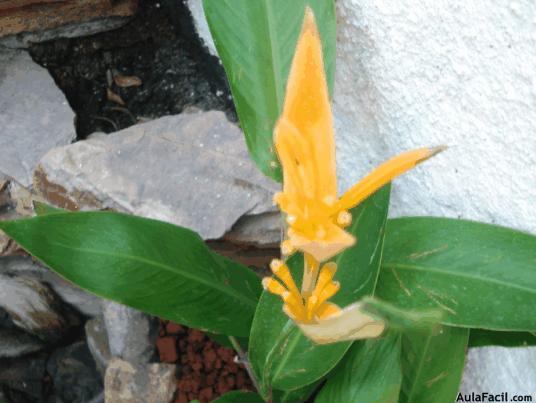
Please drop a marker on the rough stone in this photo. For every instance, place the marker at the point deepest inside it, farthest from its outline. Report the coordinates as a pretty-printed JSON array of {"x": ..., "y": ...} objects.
[
  {"x": 192, "y": 170},
  {"x": 125, "y": 382},
  {"x": 131, "y": 333},
  {"x": 262, "y": 230},
  {"x": 97, "y": 341},
  {"x": 24, "y": 374},
  {"x": 30, "y": 126},
  {"x": 21, "y": 26},
  {"x": 15, "y": 343},
  {"x": 34, "y": 307},
  {"x": 74, "y": 374},
  {"x": 84, "y": 302}
]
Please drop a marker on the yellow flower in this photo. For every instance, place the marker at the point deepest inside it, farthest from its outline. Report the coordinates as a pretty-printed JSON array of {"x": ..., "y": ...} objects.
[
  {"x": 304, "y": 141},
  {"x": 316, "y": 217}
]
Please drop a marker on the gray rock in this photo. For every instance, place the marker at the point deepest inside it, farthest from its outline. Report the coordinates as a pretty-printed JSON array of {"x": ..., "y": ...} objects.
[
  {"x": 499, "y": 369},
  {"x": 25, "y": 40},
  {"x": 74, "y": 374},
  {"x": 24, "y": 374},
  {"x": 15, "y": 343},
  {"x": 125, "y": 382},
  {"x": 34, "y": 115},
  {"x": 192, "y": 170},
  {"x": 262, "y": 230},
  {"x": 97, "y": 341},
  {"x": 84, "y": 302},
  {"x": 34, "y": 307},
  {"x": 131, "y": 333}
]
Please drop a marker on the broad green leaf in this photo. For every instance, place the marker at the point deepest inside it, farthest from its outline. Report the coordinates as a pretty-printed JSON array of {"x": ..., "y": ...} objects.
[
  {"x": 239, "y": 397},
  {"x": 281, "y": 356},
  {"x": 256, "y": 42},
  {"x": 482, "y": 338},
  {"x": 369, "y": 372},
  {"x": 156, "y": 267},
  {"x": 432, "y": 364},
  {"x": 400, "y": 319},
  {"x": 296, "y": 395},
  {"x": 479, "y": 275},
  {"x": 41, "y": 208}
]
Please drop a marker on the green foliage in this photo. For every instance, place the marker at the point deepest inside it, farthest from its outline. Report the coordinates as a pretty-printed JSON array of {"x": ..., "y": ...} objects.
[
  {"x": 432, "y": 364},
  {"x": 150, "y": 265},
  {"x": 255, "y": 41},
  {"x": 370, "y": 372},
  {"x": 482, "y": 338},
  {"x": 479, "y": 275},
  {"x": 281, "y": 356},
  {"x": 239, "y": 397}
]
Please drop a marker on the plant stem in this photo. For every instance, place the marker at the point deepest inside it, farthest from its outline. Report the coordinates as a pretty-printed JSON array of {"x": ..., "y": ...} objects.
[
  {"x": 310, "y": 273},
  {"x": 243, "y": 357}
]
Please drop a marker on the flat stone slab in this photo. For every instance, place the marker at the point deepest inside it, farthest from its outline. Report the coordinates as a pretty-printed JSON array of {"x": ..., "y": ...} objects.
[
  {"x": 192, "y": 170},
  {"x": 34, "y": 115}
]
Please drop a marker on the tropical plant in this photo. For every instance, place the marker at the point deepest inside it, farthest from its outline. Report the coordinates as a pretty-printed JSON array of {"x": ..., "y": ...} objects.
[{"x": 385, "y": 319}]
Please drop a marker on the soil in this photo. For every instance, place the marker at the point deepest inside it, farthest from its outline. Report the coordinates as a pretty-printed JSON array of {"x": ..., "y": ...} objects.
[
  {"x": 206, "y": 370},
  {"x": 160, "y": 47}
]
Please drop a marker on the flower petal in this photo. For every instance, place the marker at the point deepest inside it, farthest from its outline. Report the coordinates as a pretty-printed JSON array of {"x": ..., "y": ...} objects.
[
  {"x": 351, "y": 323},
  {"x": 383, "y": 174},
  {"x": 303, "y": 136},
  {"x": 322, "y": 249}
]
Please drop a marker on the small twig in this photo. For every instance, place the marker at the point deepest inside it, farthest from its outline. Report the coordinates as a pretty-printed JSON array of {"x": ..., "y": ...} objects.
[
  {"x": 243, "y": 358},
  {"x": 125, "y": 111},
  {"x": 107, "y": 120}
]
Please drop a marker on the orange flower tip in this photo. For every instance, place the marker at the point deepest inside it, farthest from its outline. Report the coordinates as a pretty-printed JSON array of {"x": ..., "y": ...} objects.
[
  {"x": 287, "y": 248},
  {"x": 273, "y": 286},
  {"x": 434, "y": 151},
  {"x": 309, "y": 20},
  {"x": 344, "y": 218},
  {"x": 291, "y": 219},
  {"x": 275, "y": 265}
]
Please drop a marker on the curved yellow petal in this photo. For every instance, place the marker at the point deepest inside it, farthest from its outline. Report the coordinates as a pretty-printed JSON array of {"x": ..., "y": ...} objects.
[{"x": 383, "y": 174}]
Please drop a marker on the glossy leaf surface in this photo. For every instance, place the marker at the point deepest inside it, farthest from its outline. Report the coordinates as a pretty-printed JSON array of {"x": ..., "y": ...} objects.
[
  {"x": 479, "y": 275},
  {"x": 256, "y": 42},
  {"x": 239, "y": 397},
  {"x": 432, "y": 364},
  {"x": 150, "y": 265},
  {"x": 369, "y": 372}
]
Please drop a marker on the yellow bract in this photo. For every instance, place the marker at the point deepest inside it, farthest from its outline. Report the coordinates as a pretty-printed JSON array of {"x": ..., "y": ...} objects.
[{"x": 316, "y": 217}]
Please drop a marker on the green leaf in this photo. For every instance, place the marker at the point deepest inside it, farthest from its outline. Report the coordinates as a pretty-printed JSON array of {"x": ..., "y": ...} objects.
[
  {"x": 280, "y": 355},
  {"x": 296, "y": 395},
  {"x": 41, "y": 208},
  {"x": 432, "y": 364},
  {"x": 156, "y": 267},
  {"x": 239, "y": 397},
  {"x": 401, "y": 319},
  {"x": 482, "y": 338},
  {"x": 256, "y": 42},
  {"x": 370, "y": 372},
  {"x": 479, "y": 275}
]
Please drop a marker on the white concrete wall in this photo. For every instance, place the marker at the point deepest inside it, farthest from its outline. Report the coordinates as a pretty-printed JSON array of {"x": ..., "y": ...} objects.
[{"x": 413, "y": 73}]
